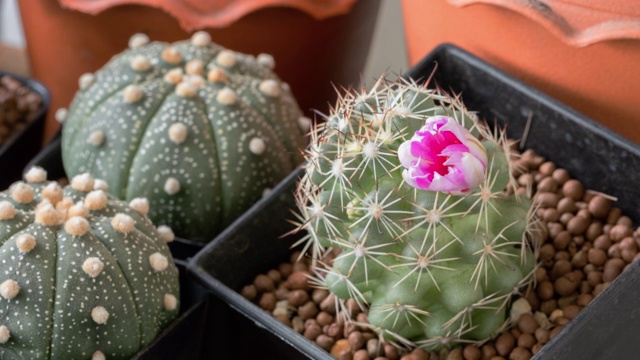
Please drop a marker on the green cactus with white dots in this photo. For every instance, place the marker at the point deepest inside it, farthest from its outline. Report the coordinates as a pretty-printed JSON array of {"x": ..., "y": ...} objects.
[
  {"x": 201, "y": 131},
  {"x": 83, "y": 274},
  {"x": 437, "y": 258}
]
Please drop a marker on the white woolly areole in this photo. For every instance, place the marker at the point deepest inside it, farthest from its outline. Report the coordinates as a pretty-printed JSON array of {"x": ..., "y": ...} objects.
[
  {"x": 92, "y": 266},
  {"x": 138, "y": 40},
  {"x": 132, "y": 94},
  {"x": 96, "y": 138},
  {"x": 123, "y": 223},
  {"x": 217, "y": 75},
  {"x": 195, "y": 67},
  {"x": 140, "y": 63},
  {"x": 270, "y": 88},
  {"x": 46, "y": 214},
  {"x": 77, "y": 209},
  {"x": 173, "y": 76},
  {"x": 61, "y": 115},
  {"x": 86, "y": 80},
  {"x": 100, "y": 315},
  {"x": 196, "y": 80},
  {"x": 172, "y": 186},
  {"x": 166, "y": 234},
  {"x": 9, "y": 289},
  {"x": 257, "y": 146},
  {"x": 52, "y": 193},
  {"x": 141, "y": 205},
  {"x": 7, "y": 210},
  {"x": 170, "y": 302},
  {"x": 98, "y": 355},
  {"x": 99, "y": 184},
  {"x": 82, "y": 182},
  {"x": 226, "y": 96},
  {"x": 186, "y": 89},
  {"x": 266, "y": 60},
  {"x": 96, "y": 200},
  {"x": 171, "y": 55},
  {"x": 22, "y": 193},
  {"x": 76, "y": 226},
  {"x": 25, "y": 243},
  {"x": 5, "y": 334},
  {"x": 201, "y": 38},
  {"x": 36, "y": 175},
  {"x": 304, "y": 123},
  {"x": 226, "y": 58},
  {"x": 158, "y": 262},
  {"x": 178, "y": 133}
]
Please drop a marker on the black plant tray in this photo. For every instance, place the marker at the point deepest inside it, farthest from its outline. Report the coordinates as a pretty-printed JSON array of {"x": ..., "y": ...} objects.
[
  {"x": 50, "y": 159},
  {"x": 608, "y": 328},
  {"x": 18, "y": 150}
]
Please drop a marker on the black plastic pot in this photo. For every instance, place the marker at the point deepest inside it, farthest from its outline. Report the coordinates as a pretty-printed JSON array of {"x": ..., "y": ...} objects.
[
  {"x": 608, "y": 328},
  {"x": 18, "y": 150}
]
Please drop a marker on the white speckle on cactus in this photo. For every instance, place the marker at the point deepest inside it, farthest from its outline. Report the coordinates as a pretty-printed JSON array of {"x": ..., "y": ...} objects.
[
  {"x": 52, "y": 192},
  {"x": 217, "y": 75},
  {"x": 226, "y": 96},
  {"x": 77, "y": 209},
  {"x": 92, "y": 266},
  {"x": 270, "y": 87},
  {"x": 9, "y": 289},
  {"x": 141, "y": 205},
  {"x": 98, "y": 355},
  {"x": 186, "y": 89},
  {"x": 100, "y": 315},
  {"x": 7, "y": 210},
  {"x": 96, "y": 200},
  {"x": 171, "y": 55},
  {"x": 46, "y": 214},
  {"x": 100, "y": 184},
  {"x": 178, "y": 133},
  {"x": 82, "y": 182},
  {"x": 25, "y": 243},
  {"x": 61, "y": 115},
  {"x": 170, "y": 302},
  {"x": 5, "y": 334},
  {"x": 304, "y": 123},
  {"x": 123, "y": 223},
  {"x": 173, "y": 76},
  {"x": 201, "y": 39},
  {"x": 76, "y": 226},
  {"x": 96, "y": 138},
  {"x": 195, "y": 67},
  {"x": 138, "y": 40},
  {"x": 132, "y": 94},
  {"x": 267, "y": 61},
  {"x": 226, "y": 58},
  {"x": 36, "y": 175},
  {"x": 22, "y": 193},
  {"x": 86, "y": 80},
  {"x": 172, "y": 186},
  {"x": 257, "y": 146},
  {"x": 158, "y": 262},
  {"x": 519, "y": 308},
  {"x": 166, "y": 234},
  {"x": 266, "y": 192},
  {"x": 140, "y": 63}
]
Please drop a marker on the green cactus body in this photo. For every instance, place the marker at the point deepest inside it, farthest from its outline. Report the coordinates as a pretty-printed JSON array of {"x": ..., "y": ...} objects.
[
  {"x": 433, "y": 268},
  {"x": 199, "y": 130},
  {"x": 84, "y": 275}
]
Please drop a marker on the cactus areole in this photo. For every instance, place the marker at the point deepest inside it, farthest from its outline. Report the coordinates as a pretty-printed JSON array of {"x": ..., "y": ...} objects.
[
  {"x": 83, "y": 275},
  {"x": 418, "y": 198},
  {"x": 199, "y": 130}
]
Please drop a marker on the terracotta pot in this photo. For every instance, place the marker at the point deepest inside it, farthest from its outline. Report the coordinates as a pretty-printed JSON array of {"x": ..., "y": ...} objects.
[
  {"x": 311, "y": 54},
  {"x": 583, "y": 53}
]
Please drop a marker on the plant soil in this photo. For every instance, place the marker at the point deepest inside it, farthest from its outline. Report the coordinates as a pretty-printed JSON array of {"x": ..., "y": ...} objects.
[{"x": 19, "y": 104}]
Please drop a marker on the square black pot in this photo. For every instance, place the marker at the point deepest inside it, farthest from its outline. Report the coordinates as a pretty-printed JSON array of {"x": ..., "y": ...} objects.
[
  {"x": 20, "y": 148},
  {"x": 608, "y": 328}
]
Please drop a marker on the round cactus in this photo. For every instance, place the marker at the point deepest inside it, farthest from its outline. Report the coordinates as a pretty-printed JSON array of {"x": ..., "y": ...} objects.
[
  {"x": 84, "y": 275},
  {"x": 199, "y": 130},
  {"x": 411, "y": 190}
]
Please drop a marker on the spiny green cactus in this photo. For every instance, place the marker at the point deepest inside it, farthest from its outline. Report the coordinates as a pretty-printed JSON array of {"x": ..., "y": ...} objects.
[
  {"x": 410, "y": 187},
  {"x": 199, "y": 130},
  {"x": 83, "y": 274}
]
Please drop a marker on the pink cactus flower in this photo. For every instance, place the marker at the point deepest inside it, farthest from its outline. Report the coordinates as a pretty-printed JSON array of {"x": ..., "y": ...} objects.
[{"x": 443, "y": 156}]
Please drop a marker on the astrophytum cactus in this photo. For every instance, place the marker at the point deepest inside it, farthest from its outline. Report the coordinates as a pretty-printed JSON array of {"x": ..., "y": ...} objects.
[
  {"x": 417, "y": 197},
  {"x": 83, "y": 275},
  {"x": 199, "y": 130}
]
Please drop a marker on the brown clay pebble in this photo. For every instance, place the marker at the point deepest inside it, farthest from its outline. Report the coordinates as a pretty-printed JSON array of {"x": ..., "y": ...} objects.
[
  {"x": 505, "y": 343},
  {"x": 329, "y": 304},
  {"x": 571, "y": 311},
  {"x": 249, "y": 292},
  {"x": 612, "y": 268},
  {"x": 356, "y": 340},
  {"x": 526, "y": 341},
  {"x": 324, "y": 318},
  {"x": 580, "y": 259},
  {"x": 281, "y": 292},
  {"x": 527, "y": 323},
  {"x": 341, "y": 347},
  {"x": 285, "y": 269},
  {"x": 298, "y": 281},
  {"x": 312, "y": 331},
  {"x": 542, "y": 335},
  {"x": 536, "y": 348},
  {"x": 560, "y": 268},
  {"x": 297, "y": 297},
  {"x": 599, "y": 206},
  {"x": 263, "y": 283},
  {"x": 361, "y": 354},
  {"x": 391, "y": 352},
  {"x": 564, "y": 286},
  {"x": 300, "y": 267},
  {"x": 573, "y": 189},
  {"x": 548, "y": 185},
  {"x": 274, "y": 275},
  {"x": 555, "y": 331},
  {"x": 319, "y": 294},
  {"x": 373, "y": 348},
  {"x": 268, "y": 301},
  {"x": 546, "y": 199},
  {"x": 325, "y": 342},
  {"x": 619, "y": 232},
  {"x": 284, "y": 319},
  {"x": 520, "y": 354},
  {"x": 297, "y": 324},
  {"x": 308, "y": 310},
  {"x": 566, "y": 205},
  {"x": 562, "y": 240},
  {"x": 488, "y": 351},
  {"x": 584, "y": 299},
  {"x": 471, "y": 352},
  {"x": 334, "y": 330},
  {"x": 455, "y": 354},
  {"x": 416, "y": 354},
  {"x": 547, "y": 168},
  {"x": 597, "y": 256},
  {"x": 545, "y": 290},
  {"x": 602, "y": 242},
  {"x": 577, "y": 225}
]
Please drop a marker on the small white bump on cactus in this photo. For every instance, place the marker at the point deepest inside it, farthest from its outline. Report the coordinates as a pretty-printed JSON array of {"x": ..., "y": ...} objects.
[
  {"x": 270, "y": 87},
  {"x": 76, "y": 226},
  {"x": 83, "y": 182},
  {"x": 166, "y": 234},
  {"x": 195, "y": 67},
  {"x": 138, "y": 40},
  {"x": 123, "y": 223},
  {"x": 96, "y": 200},
  {"x": 98, "y": 355},
  {"x": 226, "y": 58},
  {"x": 304, "y": 123},
  {"x": 9, "y": 289},
  {"x": 52, "y": 192},
  {"x": 172, "y": 186},
  {"x": 96, "y": 138},
  {"x": 226, "y": 96},
  {"x": 99, "y": 184},
  {"x": 178, "y": 133},
  {"x": 46, "y": 214},
  {"x": 257, "y": 146},
  {"x": 170, "y": 302},
  {"x": 22, "y": 193},
  {"x": 171, "y": 55},
  {"x": 7, "y": 210},
  {"x": 158, "y": 262},
  {"x": 93, "y": 266},
  {"x": 186, "y": 89},
  {"x": 140, "y": 63},
  {"x": 25, "y": 243},
  {"x": 61, "y": 115},
  {"x": 86, "y": 80},
  {"x": 5, "y": 334},
  {"x": 100, "y": 315},
  {"x": 132, "y": 94},
  {"x": 266, "y": 60},
  {"x": 173, "y": 76},
  {"x": 35, "y": 175},
  {"x": 141, "y": 205},
  {"x": 77, "y": 209},
  {"x": 201, "y": 39},
  {"x": 217, "y": 75}
]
